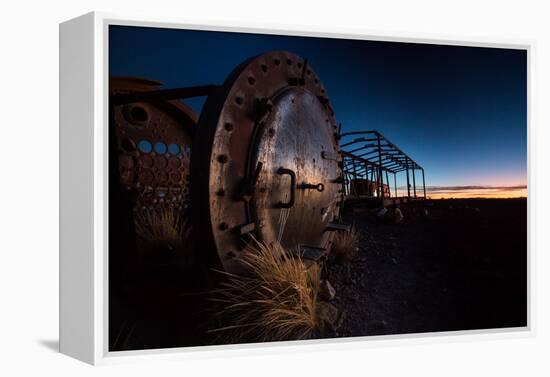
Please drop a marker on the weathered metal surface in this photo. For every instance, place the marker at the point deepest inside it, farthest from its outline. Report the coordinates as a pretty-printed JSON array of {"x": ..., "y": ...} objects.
[
  {"x": 368, "y": 188},
  {"x": 310, "y": 255},
  {"x": 266, "y": 153},
  {"x": 153, "y": 142}
]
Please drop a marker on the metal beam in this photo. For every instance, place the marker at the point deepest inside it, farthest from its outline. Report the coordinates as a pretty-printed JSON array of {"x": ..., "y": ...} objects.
[
  {"x": 380, "y": 177},
  {"x": 424, "y": 183},
  {"x": 164, "y": 94},
  {"x": 414, "y": 182},
  {"x": 408, "y": 183}
]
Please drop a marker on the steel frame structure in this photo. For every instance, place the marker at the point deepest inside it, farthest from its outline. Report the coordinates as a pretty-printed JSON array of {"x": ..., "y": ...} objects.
[{"x": 371, "y": 156}]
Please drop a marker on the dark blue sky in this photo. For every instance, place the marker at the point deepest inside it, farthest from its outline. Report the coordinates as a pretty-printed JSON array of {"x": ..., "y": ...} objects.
[{"x": 460, "y": 112}]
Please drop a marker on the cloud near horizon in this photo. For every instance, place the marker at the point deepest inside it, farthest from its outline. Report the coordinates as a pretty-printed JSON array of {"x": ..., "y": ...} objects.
[
  {"x": 461, "y": 188},
  {"x": 437, "y": 192},
  {"x": 457, "y": 192}
]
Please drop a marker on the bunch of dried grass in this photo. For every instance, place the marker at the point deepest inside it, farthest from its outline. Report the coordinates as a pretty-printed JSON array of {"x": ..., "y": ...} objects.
[
  {"x": 344, "y": 246},
  {"x": 274, "y": 300},
  {"x": 165, "y": 228}
]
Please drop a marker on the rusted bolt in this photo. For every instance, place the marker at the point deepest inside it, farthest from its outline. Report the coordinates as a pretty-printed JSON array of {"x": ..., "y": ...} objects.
[
  {"x": 239, "y": 100},
  {"x": 228, "y": 126},
  {"x": 222, "y": 158},
  {"x": 224, "y": 226},
  {"x": 277, "y": 61},
  {"x": 289, "y": 62},
  {"x": 251, "y": 80},
  {"x": 264, "y": 67}
]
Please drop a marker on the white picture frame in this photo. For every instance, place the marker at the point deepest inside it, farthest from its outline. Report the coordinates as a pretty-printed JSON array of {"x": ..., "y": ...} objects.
[{"x": 84, "y": 188}]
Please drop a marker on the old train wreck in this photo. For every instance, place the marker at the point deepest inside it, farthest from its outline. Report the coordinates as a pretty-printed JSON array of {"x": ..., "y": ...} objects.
[
  {"x": 268, "y": 159},
  {"x": 264, "y": 160}
]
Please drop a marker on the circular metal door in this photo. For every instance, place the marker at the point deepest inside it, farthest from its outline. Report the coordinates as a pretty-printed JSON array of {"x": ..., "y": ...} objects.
[{"x": 266, "y": 162}]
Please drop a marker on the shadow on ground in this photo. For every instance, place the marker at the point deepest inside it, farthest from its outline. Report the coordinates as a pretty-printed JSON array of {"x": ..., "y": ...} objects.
[{"x": 52, "y": 345}]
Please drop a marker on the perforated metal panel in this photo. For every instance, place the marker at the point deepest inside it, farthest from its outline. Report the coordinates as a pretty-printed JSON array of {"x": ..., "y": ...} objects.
[{"x": 154, "y": 147}]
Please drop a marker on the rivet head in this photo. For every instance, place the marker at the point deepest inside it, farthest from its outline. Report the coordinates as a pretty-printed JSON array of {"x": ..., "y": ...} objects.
[
  {"x": 222, "y": 158},
  {"x": 228, "y": 126},
  {"x": 224, "y": 226}
]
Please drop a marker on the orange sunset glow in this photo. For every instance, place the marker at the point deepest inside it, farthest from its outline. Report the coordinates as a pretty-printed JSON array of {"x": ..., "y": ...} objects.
[{"x": 477, "y": 192}]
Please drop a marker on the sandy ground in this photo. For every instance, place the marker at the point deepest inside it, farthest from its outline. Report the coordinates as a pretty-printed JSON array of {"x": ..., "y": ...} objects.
[{"x": 461, "y": 267}]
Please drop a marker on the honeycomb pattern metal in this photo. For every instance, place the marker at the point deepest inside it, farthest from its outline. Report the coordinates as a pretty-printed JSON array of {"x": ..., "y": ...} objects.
[{"x": 154, "y": 147}]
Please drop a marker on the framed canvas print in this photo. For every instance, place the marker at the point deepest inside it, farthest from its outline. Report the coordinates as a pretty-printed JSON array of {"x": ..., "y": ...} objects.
[{"x": 229, "y": 188}]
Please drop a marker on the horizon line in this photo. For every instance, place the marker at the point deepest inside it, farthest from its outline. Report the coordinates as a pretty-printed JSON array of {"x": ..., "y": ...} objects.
[{"x": 473, "y": 187}]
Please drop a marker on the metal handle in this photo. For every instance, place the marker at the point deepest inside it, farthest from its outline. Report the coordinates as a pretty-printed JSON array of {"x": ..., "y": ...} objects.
[
  {"x": 292, "y": 175},
  {"x": 319, "y": 187}
]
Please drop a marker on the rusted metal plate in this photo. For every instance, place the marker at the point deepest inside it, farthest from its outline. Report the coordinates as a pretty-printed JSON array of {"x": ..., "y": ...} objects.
[
  {"x": 261, "y": 150},
  {"x": 154, "y": 145}
]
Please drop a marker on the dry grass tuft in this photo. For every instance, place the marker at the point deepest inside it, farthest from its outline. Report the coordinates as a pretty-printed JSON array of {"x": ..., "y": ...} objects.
[
  {"x": 344, "y": 246},
  {"x": 164, "y": 228},
  {"x": 274, "y": 301}
]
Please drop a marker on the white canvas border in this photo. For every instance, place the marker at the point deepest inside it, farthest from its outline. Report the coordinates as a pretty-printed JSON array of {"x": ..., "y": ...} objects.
[{"x": 100, "y": 207}]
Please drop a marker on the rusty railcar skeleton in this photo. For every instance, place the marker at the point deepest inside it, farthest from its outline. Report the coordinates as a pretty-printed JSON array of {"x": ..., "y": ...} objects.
[{"x": 369, "y": 160}]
